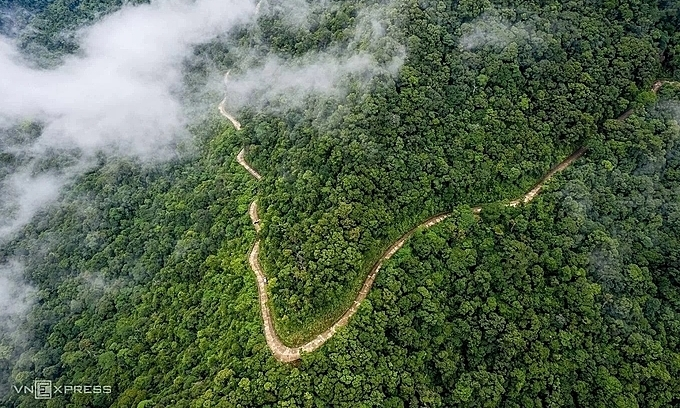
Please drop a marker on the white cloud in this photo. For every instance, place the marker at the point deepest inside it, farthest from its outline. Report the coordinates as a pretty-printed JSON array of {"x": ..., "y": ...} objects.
[
  {"x": 15, "y": 296},
  {"x": 495, "y": 31},
  {"x": 120, "y": 95},
  {"x": 287, "y": 82},
  {"x": 119, "y": 92}
]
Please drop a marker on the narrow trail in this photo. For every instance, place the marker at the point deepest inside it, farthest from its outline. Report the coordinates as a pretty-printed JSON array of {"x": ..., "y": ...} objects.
[
  {"x": 224, "y": 113},
  {"x": 242, "y": 161},
  {"x": 232, "y": 119},
  {"x": 284, "y": 353}
]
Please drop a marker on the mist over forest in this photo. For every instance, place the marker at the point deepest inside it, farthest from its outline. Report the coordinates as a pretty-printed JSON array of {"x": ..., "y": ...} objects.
[
  {"x": 121, "y": 94},
  {"x": 124, "y": 227}
]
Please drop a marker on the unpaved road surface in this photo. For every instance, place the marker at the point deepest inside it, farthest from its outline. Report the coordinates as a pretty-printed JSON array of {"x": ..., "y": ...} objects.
[
  {"x": 284, "y": 353},
  {"x": 226, "y": 114},
  {"x": 242, "y": 161}
]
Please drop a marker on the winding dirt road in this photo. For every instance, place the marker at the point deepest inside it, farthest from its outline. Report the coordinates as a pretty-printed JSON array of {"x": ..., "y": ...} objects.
[
  {"x": 226, "y": 114},
  {"x": 284, "y": 353},
  {"x": 242, "y": 161}
]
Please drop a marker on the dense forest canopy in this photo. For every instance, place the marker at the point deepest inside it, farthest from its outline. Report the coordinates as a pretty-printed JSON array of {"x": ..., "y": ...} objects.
[{"x": 140, "y": 271}]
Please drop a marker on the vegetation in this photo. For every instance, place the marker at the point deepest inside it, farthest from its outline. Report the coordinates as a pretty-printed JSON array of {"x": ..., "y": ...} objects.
[
  {"x": 457, "y": 127},
  {"x": 569, "y": 301}
]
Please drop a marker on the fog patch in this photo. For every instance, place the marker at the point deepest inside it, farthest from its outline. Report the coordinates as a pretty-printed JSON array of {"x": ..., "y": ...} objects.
[
  {"x": 97, "y": 292},
  {"x": 12, "y": 20},
  {"x": 121, "y": 96},
  {"x": 120, "y": 92},
  {"x": 279, "y": 84},
  {"x": 23, "y": 195},
  {"x": 16, "y": 296},
  {"x": 372, "y": 24},
  {"x": 273, "y": 83},
  {"x": 493, "y": 30},
  {"x": 668, "y": 109},
  {"x": 118, "y": 96},
  {"x": 295, "y": 13},
  {"x": 606, "y": 267}
]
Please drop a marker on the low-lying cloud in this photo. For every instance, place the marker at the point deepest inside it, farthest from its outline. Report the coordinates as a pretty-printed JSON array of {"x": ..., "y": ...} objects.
[
  {"x": 273, "y": 83},
  {"x": 118, "y": 95},
  {"x": 282, "y": 84},
  {"x": 495, "y": 31},
  {"x": 291, "y": 12},
  {"x": 15, "y": 296},
  {"x": 24, "y": 196},
  {"x": 119, "y": 92},
  {"x": 12, "y": 19},
  {"x": 121, "y": 95}
]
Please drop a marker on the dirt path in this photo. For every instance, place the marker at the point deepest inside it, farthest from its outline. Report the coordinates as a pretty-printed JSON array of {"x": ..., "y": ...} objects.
[
  {"x": 242, "y": 161},
  {"x": 658, "y": 84},
  {"x": 281, "y": 351},
  {"x": 538, "y": 186},
  {"x": 224, "y": 113},
  {"x": 284, "y": 353},
  {"x": 254, "y": 217}
]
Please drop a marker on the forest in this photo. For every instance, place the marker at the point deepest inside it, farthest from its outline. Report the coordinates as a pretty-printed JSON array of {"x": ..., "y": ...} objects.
[{"x": 141, "y": 271}]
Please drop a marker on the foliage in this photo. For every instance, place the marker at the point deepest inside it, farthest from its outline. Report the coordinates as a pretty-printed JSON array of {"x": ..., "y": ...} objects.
[{"x": 571, "y": 300}]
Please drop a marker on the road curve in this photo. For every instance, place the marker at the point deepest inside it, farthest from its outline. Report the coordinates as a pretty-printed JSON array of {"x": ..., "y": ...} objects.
[
  {"x": 284, "y": 353},
  {"x": 242, "y": 161},
  {"x": 226, "y": 114}
]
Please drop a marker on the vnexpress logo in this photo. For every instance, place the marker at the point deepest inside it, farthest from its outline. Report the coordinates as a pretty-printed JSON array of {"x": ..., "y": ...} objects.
[{"x": 43, "y": 389}]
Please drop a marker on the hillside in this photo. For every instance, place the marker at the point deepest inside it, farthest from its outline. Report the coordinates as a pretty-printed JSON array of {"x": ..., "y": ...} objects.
[{"x": 141, "y": 270}]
